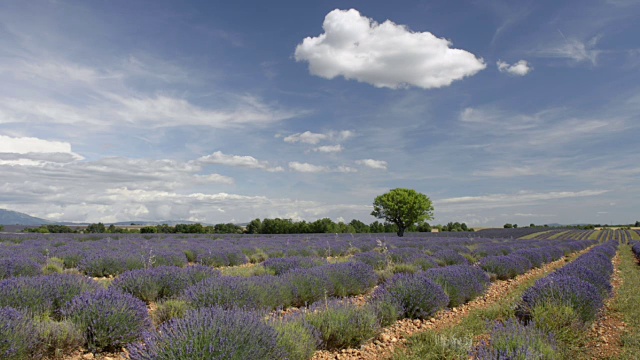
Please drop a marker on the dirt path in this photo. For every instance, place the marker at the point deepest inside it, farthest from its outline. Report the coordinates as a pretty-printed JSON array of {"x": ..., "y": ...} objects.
[
  {"x": 607, "y": 330},
  {"x": 395, "y": 335}
]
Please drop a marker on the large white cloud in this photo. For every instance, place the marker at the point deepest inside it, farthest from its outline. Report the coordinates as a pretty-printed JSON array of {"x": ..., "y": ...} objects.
[{"x": 383, "y": 55}]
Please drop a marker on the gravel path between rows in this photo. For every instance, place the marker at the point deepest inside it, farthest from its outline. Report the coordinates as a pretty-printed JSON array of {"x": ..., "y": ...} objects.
[
  {"x": 395, "y": 335},
  {"x": 607, "y": 330}
]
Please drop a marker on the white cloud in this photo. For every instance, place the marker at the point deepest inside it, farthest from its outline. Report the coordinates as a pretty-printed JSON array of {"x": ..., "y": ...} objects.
[
  {"x": 311, "y": 168},
  {"x": 24, "y": 145},
  {"x": 312, "y": 138},
  {"x": 374, "y": 164},
  {"x": 521, "y": 68},
  {"x": 30, "y": 151},
  {"x": 237, "y": 160},
  {"x": 344, "y": 135},
  {"x": 383, "y": 55},
  {"x": 346, "y": 169},
  {"x": 306, "y": 137},
  {"x": 214, "y": 178},
  {"x": 329, "y": 148},
  {"x": 306, "y": 167}
]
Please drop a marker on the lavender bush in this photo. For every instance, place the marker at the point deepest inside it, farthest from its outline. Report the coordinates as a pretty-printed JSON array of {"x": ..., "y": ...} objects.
[
  {"x": 418, "y": 295},
  {"x": 307, "y": 285},
  {"x": 461, "y": 283},
  {"x": 281, "y": 265},
  {"x": 505, "y": 267},
  {"x": 582, "y": 272},
  {"x": 374, "y": 259},
  {"x": 16, "y": 335},
  {"x": 110, "y": 319},
  {"x": 450, "y": 257},
  {"x": 161, "y": 282},
  {"x": 44, "y": 295},
  {"x": 211, "y": 333},
  {"x": 514, "y": 341},
  {"x": 19, "y": 266},
  {"x": 561, "y": 290},
  {"x": 349, "y": 279}
]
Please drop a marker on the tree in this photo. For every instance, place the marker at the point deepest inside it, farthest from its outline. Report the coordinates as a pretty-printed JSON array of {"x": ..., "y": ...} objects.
[
  {"x": 508, "y": 226},
  {"x": 96, "y": 228},
  {"x": 254, "y": 226},
  {"x": 637, "y": 224},
  {"x": 403, "y": 207}
]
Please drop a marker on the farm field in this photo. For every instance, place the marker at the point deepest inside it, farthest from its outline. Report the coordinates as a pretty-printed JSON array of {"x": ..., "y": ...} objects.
[{"x": 308, "y": 296}]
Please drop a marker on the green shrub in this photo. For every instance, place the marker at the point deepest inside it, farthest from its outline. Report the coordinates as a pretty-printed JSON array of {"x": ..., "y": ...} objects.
[
  {"x": 168, "y": 310},
  {"x": 56, "y": 338},
  {"x": 404, "y": 268},
  {"x": 343, "y": 325},
  {"x": 299, "y": 339}
]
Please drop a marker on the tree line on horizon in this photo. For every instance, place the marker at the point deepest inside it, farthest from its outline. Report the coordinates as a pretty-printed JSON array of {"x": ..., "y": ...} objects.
[{"x": 256, "y": 226}]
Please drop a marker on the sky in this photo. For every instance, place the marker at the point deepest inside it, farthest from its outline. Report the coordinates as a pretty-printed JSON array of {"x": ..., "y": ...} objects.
[{"x": 226, "y": 111}]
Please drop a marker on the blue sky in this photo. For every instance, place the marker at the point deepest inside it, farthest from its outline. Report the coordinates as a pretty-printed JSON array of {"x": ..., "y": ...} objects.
[{"x": 499, "y": 111}]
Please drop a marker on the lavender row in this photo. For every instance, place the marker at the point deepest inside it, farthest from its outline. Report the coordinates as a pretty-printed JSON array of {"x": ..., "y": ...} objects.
[
  {"x": 563, "y": 302},
  {"x": 582, "y": 285},
  {"x": 105, "y": 256}
]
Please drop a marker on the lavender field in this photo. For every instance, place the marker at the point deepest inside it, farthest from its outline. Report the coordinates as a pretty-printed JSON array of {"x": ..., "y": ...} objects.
[{"x": 272, "y": 297}]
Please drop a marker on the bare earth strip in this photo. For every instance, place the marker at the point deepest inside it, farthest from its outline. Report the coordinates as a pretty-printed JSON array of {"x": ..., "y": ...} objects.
[
  {"x": 395, "y": 335},
  {"x": 607, "y": 330}
]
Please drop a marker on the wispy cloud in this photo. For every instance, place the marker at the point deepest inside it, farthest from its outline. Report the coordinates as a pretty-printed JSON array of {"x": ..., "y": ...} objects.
[
  {"x": 314, "y": 169},
  {"x": 329, "y": 148},
  {"x": 573, "y": 49},
  {"x": 220, "y": 158},
  {"x": 312, "y": 138},
  {"x": 511, "y": 200}
]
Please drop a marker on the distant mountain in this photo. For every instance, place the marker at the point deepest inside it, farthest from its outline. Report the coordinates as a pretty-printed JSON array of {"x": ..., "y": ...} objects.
[{"x": 8, "y": 217}]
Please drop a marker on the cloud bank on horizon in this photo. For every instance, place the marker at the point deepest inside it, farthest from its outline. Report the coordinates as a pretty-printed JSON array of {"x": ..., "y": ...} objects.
[{"x": 158, "y": 110}]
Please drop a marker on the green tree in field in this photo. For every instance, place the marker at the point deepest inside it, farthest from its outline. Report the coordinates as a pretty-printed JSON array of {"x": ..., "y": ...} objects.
[
  {"x": 508, "y": 226},
  {"x": 403, "y": 207}
]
